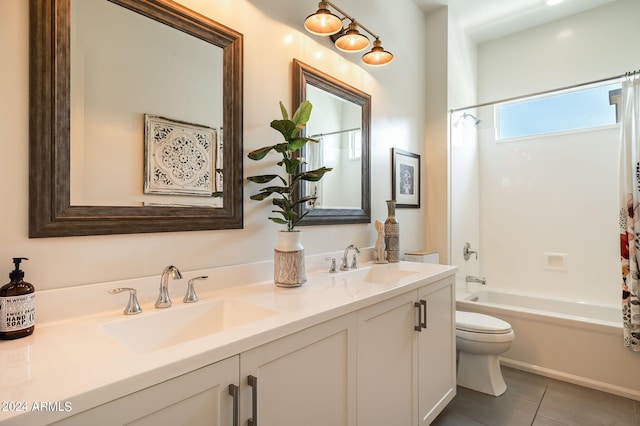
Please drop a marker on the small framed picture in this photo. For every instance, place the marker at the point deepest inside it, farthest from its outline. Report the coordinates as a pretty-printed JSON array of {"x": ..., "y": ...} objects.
[{"x": 405, "y": 179}]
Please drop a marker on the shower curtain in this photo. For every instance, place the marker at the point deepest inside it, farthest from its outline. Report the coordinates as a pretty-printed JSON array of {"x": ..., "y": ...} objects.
[{"x": 630, "y": 210}]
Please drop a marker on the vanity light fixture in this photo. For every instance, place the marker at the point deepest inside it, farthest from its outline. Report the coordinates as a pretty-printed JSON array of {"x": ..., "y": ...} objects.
[
  {"x": 349, "y": 39},
  {"x": 323, "y": 22},
  {"x": 377, "y": 56}
]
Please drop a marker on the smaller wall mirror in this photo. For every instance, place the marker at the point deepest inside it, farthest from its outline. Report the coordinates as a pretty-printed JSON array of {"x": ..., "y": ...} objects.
[{"x": 340, "y": 119}]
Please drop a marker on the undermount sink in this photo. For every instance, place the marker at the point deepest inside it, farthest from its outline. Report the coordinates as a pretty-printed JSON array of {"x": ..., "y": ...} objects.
[
  {"x": 380, "y": 274},
  {"x": 164, "y": 328}
]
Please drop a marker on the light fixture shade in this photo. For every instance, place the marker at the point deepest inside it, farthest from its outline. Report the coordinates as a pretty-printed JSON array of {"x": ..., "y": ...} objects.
[
  {"x": 377, "y": 56},
  {"x": 323, "y": 22},
  {"x": 352, "y": 40}
]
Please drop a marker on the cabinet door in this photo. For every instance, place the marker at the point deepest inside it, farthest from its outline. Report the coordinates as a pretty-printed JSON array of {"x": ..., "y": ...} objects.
[
  {"x": 437, "y": 365},
  {"x": 200, "y": 397},
  {"x": 388, "y": 362},
  {"x": 307, "y": 378}
]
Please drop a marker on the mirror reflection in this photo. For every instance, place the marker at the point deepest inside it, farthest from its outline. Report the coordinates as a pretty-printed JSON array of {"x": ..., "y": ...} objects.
[
  {"x": 118, "y": 78},
  {"x": 341, "y": 120},
  {"x": 337, "y": 124}
]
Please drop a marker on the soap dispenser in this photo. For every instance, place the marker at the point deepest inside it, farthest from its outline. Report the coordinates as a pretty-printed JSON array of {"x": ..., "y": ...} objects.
[{"x": 17, "y": 309}]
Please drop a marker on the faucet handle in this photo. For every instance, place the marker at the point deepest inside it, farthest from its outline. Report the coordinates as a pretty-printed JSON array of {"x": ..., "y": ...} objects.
[
  {"x": 467, "y": 252},
  {"x": 333, "y": 267},
  {"x": 191, "y": 296},
  {"x": 354, "y": 261},
  {"x": 132, "y": 307}
]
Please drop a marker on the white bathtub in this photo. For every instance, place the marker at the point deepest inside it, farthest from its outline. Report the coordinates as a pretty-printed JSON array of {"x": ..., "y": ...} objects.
[{"x": 563, "y": 339}]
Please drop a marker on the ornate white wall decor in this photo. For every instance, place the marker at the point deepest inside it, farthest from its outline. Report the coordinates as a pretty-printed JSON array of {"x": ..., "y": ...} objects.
[{"x": 180, "y": 158}]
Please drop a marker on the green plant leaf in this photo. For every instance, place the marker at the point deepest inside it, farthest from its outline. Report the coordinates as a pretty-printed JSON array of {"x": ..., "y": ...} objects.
[
  {"x": 260, "y": 153},
  {"x": 265, "y": 192},
  {"x": 278, "y": 220},
  {"x": 295, "y": 222},
  {"x": 296, "y": 143},
  {"x": 287, "y": 128},
  {"x": 262, "y": 178},
  {"x": 276, "y": 189},
  {"x": 281, "y": 148},
  {"x": 261, "y": 196},
  {"x": 291, "y": 165},
  {"x": 304, "y": 200},
  {"x": 314, "y": 175},
  {"x": 283, "y": 110},
  {"x": 302, "y": 114},
  {"x": 283, "y": 203}
]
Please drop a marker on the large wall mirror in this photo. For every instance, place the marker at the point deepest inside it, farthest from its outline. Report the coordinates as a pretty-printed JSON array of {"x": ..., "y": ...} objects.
[
  {"x": 340, "y": 120},
  {"x": 135, "y": 119}
]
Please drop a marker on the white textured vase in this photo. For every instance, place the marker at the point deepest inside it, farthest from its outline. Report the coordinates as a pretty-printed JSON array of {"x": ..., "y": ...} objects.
[{"x": 288, "y": 259}]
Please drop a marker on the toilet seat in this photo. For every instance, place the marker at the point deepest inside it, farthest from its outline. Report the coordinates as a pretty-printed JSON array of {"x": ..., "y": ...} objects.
[
  {"x": 473, "y": 322},
  {"x": 486, "y": 337}
]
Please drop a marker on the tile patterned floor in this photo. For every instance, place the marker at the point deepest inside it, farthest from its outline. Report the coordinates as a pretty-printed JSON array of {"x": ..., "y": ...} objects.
[{"x": 534, "y": 400}]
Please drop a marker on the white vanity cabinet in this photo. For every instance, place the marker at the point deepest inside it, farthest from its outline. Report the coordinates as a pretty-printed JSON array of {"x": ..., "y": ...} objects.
[
  {"x": 307, "y": 378},
  {"x": 406, "y": 357},
  {"x": 437, "y": 350},
  {"x": 200, "y": 397},
  {"x": 387, "y": 363}
]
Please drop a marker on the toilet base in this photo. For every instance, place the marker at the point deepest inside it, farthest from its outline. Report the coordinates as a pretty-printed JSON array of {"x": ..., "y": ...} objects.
[{"x": 480, "y": 373}]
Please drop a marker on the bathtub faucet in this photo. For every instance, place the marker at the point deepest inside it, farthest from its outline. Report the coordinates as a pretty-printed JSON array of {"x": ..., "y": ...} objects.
[{"x": 472, "y": 279}]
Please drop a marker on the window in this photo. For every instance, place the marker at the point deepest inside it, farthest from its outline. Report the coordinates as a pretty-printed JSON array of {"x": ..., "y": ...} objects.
[
  {"x": 561, "y": 112},
  {"x": 355, "y": 145}
]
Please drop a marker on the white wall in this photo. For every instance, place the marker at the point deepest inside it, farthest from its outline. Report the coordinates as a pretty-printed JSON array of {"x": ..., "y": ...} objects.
[
  {"x": 273, "y": 36},
  {"x": 596, "y": 44},
  {"x": 463, "y": 150},
  {"x": 435, "y": 173},
  {"x": 554, "y": 193}
]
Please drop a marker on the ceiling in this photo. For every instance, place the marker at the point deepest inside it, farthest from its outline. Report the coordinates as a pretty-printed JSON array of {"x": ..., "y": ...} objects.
[{"x": 485, "y": 20}]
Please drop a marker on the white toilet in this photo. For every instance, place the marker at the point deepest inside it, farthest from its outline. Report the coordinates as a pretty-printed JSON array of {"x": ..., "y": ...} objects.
[{"x": 479, "y": 340}]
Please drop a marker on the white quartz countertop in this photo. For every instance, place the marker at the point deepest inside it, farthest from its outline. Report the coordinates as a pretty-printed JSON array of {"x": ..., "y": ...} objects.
[{"x": 71, "y": 364}]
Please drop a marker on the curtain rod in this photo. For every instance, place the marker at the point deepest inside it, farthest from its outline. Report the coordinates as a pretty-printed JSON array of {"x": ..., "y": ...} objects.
[
  {"x": 544, "y": 92},
  {"x": 334, "y": 133}
]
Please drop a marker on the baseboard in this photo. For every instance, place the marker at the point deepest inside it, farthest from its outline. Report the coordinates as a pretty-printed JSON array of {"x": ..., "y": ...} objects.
[{"x": 571, "y": 378}]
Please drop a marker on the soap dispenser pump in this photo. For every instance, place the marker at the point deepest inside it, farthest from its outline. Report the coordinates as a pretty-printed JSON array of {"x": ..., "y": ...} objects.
[{"x": 17, "y": 309}]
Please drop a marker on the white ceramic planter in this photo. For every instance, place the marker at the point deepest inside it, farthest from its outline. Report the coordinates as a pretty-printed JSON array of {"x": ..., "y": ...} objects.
[{"x": 289, "y": 270}]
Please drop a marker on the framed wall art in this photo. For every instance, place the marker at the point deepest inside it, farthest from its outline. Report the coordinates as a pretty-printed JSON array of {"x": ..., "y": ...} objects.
[
  {"x": 180, "y": 158},
  {"x": 405, "y": 179}
]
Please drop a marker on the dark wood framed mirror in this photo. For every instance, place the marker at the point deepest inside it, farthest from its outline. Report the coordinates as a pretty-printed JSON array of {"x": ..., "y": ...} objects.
[
  {"x": 51, "y": 210},
  {"x": 341, "y": 120}
]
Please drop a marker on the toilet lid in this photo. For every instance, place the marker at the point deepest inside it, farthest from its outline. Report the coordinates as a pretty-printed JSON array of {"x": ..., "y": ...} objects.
[{"x": 480, "y": 323}]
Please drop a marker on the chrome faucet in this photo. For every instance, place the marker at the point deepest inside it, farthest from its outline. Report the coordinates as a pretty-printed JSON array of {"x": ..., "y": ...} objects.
[
  {"x": 472, "y": 279},
  {"x": 345, "y": 258},
  {"x": 164, "y": 301}
]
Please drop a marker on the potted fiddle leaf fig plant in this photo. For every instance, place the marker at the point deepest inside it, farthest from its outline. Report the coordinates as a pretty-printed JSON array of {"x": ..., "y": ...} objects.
[{"x": 289, "y": 253}]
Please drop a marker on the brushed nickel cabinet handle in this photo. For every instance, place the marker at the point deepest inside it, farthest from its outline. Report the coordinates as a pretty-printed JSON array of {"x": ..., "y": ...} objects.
[
  {"x": 253, "y": 382},
  {"x": 233, "y": 391},
  {"x": 423, "y": 323}
]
